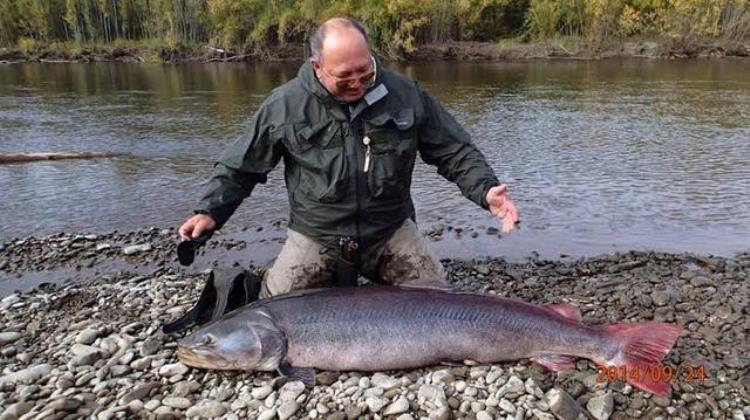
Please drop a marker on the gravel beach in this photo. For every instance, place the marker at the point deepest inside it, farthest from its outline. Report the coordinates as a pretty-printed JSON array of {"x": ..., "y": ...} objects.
[{"x": 94, "y": 348}]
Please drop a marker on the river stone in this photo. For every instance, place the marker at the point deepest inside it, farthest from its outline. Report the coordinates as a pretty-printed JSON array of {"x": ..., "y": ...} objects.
[
  {"x": 287, "y": 409},
  {"x": 442, "y": 376},
  {"x": 431, "y": 393},
  {"x": 660, "y": 297},
  {"x": 353, "y": 412},
  {"x": 384, "y": 381},
  {"x": 440, "y": 413},
  {"x": 87, "y": 336},
  {"x": 8, "y": 337},
  {"x": 375, "y": 404},
  {"x": 401, "y": 405},
  {"x": 64, "y": 404},
  {"x": 177, "y": 402},
  {"x": 506, "y": 406},
  {"x": 135, "y": 249},
  {"x": 291, "y": 390},
  {"x": 206, "y": 409},
  {"x": 601, "y": 407},
  {"x": 267, "y": 414},
  {"x": 493, "y": 375},
  {"x": 406, "y": 417},
  {"x": 151, "y": 405},
  {"x": 16, "y": 410},
  {"x": 150, "y": 346},
  {"x": 28, "y": 375},
  {"x": 541, "y": 415},
  {"x": 700, "y": 281},
  {"x": 514, "y": 386},
  {"x": 262, "y": 392},
  {"x": 185, "y": 388},
  {"x": 140, "y": 392},
  {"x": 84, "y": 355},
  {"x": 562, "y": 405},
  {"x": 135, "y": 406},
  {"x": 173, "y": 369},
  {"x": 165, "y": 413},
  {"x": 483, "y": 415}
]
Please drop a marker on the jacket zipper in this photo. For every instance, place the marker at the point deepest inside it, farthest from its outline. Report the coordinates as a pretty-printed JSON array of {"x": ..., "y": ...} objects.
[{"x": 355, "y": 134}]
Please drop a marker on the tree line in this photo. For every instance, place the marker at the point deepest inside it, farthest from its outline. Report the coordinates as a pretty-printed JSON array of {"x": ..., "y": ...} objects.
[{"x": 395, "y": 26}]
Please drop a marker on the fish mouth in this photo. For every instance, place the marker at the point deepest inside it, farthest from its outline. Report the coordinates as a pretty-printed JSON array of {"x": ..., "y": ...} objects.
[{"x": 196, "y": 357}]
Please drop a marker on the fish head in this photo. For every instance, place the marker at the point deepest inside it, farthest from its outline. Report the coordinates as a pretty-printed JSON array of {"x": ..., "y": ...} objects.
[{"x": 243, "y": 340}]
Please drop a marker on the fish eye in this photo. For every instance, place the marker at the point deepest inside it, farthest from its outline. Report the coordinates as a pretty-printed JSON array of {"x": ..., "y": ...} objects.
[{"x": 208, "y": 339}]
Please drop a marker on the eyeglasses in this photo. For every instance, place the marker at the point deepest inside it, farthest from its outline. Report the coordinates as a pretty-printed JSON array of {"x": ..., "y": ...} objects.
[{"x": 366, "y": 80}]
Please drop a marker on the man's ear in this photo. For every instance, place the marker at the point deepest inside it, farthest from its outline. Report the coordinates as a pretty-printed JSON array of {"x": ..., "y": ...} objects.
[{"x": 315, "y": 64}]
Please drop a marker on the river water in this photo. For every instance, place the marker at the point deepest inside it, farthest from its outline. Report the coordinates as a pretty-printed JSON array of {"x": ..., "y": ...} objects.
[{"x": 600, "y": 156}]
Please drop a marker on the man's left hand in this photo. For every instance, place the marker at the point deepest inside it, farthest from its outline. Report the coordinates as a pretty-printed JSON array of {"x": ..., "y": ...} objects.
[{"x": 502, "y": 207}]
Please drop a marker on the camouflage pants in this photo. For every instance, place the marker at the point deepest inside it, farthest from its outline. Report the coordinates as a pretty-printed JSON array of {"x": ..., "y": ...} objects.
[{"x": 403, "y": 257}]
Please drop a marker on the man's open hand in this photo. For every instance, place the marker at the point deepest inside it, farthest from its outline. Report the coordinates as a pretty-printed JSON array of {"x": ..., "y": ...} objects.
[
  {"x": 197, "y": 225},
  {"x": 502, "y": 207}
]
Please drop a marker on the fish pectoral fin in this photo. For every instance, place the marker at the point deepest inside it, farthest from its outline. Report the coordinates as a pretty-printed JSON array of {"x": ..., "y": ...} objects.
[
  {"x": 304, "y": 374},
  {"x": 566, "y": 310},
  {"x": 555, "y": 362}
]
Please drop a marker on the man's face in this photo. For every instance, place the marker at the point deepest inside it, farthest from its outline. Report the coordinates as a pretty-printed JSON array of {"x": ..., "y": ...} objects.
[{"x": 345, "y": 67}]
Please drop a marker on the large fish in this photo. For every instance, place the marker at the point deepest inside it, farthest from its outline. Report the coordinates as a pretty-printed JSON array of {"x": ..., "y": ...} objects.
[{"x": 385, "y": 327}]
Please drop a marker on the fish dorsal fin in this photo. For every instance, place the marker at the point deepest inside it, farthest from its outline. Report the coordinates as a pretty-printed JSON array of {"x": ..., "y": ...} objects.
[
  {"x": 555, "y": 362},
  {"x": 428, "y": 284},
  {"x": 566, "y": 310}
]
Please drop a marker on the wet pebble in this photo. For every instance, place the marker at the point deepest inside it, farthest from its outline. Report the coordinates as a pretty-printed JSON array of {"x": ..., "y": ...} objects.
[
  {"x": 177, "y": 402},
  {"x": 385, "y": 381},
  {"x": 401, "y": 405},
  {"x": 28, "y": 375},
  {"x": 8, "y": 337},
  {"x": 206, "y": 409},
  {"x": 260, "y": 393},
  {"x": 173, "y": 369},
  {"x": 601, "y": 406},
  {"x": 87, "y": 336}
]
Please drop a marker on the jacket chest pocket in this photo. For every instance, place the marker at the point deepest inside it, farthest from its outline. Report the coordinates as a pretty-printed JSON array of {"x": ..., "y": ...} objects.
[
  {"x": 318, "y": 159},
  {"x": 393, "y": 150}
]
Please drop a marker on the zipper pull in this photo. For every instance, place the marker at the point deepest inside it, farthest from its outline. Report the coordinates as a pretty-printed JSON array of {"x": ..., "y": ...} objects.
[{"x": 366, "y": 142}]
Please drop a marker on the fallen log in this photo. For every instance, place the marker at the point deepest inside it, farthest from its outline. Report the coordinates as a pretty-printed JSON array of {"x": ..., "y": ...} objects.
[{"x": 29, "y": 157}]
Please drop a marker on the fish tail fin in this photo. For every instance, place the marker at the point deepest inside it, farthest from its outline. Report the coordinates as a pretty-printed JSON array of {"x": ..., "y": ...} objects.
[{"x": 642, "y": 347}]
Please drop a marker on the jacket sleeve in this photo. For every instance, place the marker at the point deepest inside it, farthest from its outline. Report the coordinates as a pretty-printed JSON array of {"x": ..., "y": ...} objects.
[
  {"x": 242, "y": 166},
  {"x": 445, "y": 144}
]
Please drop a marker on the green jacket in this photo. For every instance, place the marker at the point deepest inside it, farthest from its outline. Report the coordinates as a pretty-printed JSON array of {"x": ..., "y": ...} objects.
[{"x": 322, "y": 144}]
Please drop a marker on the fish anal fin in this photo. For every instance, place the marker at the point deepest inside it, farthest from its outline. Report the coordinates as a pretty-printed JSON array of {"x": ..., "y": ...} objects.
[
  {"x": 555, "y": 362},
  {"x": 304, "y": 374},
  {"x": 566, "y": 310}
]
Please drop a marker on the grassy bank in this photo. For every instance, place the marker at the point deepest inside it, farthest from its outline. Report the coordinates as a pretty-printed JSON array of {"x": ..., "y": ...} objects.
[
  {"x": 154, "y": 30},
  {"x": 511, "y": 49}
]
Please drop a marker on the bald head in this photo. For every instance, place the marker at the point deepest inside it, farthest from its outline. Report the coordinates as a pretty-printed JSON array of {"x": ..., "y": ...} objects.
[
  {"x": 341, "y": 59},
  {"x": 336, "y": 33}
]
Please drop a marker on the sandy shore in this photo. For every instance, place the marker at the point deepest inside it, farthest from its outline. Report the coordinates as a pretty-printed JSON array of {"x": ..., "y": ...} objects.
[{"x": 95, "y": 348}]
